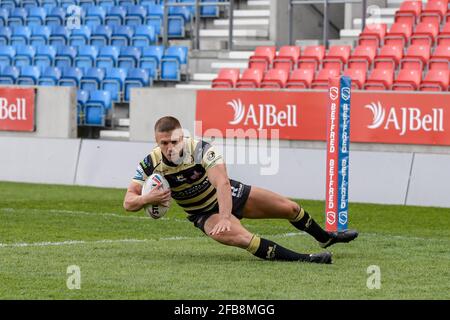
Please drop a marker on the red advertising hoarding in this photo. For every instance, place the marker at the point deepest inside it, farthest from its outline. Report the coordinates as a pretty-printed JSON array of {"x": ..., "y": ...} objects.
[
  {"x": 376, "y": 117},
  {"x": 17, "y": 109}
]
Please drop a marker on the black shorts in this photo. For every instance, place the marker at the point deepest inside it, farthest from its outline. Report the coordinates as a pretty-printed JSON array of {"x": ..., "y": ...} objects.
[{"x": 239, "y": 195}]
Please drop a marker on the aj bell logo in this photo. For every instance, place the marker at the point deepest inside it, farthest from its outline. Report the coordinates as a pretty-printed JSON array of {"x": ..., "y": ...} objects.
[
  {"x": 263, "y": 115},
  {"x": 407, "y": 119}
]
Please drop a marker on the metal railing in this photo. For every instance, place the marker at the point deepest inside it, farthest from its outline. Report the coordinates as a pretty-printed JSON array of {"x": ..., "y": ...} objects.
[
  {"x": 326, "y": 22},
  {"x": 196, "y": 30}
]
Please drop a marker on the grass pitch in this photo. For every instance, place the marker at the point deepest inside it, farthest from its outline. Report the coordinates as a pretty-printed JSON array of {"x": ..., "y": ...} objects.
[{"x": 45, "y": 228}]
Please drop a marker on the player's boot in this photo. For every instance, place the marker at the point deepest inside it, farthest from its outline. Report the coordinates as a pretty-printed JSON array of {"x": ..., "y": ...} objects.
[
  {"x": 340, "y": 236},
  {"x": 322, "y": 257}
]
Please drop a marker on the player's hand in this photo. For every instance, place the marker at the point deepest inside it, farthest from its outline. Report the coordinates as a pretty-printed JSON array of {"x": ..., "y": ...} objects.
[
  {"x": 157, "y": 196},
  {"x": 223, "y": 225}
]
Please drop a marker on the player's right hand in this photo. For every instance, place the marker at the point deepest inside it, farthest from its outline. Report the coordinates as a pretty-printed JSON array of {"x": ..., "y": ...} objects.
[{"x": 156, "y": 196}]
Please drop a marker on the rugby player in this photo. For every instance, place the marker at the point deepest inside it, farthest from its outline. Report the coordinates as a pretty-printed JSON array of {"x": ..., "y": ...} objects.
[{"x": 199, "y": 183}]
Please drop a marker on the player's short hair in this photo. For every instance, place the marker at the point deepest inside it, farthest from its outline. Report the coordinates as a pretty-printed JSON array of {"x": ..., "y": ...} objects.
[{"x": 167, "y": 124}]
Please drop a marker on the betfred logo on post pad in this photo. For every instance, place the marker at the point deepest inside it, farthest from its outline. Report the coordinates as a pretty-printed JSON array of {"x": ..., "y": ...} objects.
[{"x": 17, "y": 109}]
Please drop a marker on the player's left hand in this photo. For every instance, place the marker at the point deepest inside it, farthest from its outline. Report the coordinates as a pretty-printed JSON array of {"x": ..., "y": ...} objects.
[{"x": 223, "y": 225}]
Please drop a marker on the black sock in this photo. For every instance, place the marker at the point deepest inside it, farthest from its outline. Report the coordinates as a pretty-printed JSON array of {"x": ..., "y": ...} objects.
[
  {"x": 305, "y": 223},
  {"x": 269, "y": 250}
]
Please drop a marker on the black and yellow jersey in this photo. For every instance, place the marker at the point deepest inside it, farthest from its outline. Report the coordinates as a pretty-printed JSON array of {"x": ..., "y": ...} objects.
[{"x": 188, "y": 180}]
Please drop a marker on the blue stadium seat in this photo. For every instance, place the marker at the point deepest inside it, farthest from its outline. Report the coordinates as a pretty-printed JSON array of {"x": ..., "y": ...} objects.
[
  {"x": 107, "y": 4},
  {"x": 114, "y": 82},
  {"x": 40, "y": 35},
  {"x": 115, "y": 16},
  {"x": 92, "y": 79},
  {"x": 9, "y": 4},
  {"x": 96, "y": 107},
  {"x": 57, "y": 16},
  {"x": 101, "y": 36},
  {"x": 7, "y": 54},
  {"x": 136, "y": 78},
  {"x": 17, "y": 17},
  {"x": 20, "y": 35},
  {"x": 5, "y": 35},
  {"x": 87, "y": 4},
  {"x": 95, "y": 16},
  {"x": 155, "y": 14},
  {"x": 9, "y": 75},
  {"x": 178, "y": 17},
  {"x": 30, "y": 3},
  {"x": 107, "y": 57},
  {"x": 65, "y": 56},
  {"x": 189, "y": 5},
  {"x": 36, "y": 16},
  {"x": 174, "y": 58},
  {"x": 129, "y": 57},
  {"x": 29, "y": 75},
  {"x": 147, "y": 2},
  {"x": 48, "y": 5},
  {"x": 80, "y": 36},
  {"x": 143, "y": 36},
  {"x": 71, "y": 77},
  {"x": 45, "y": 56},
  {"x": 121, "y": 36},
  {"x": 82, "y": 99},
  {"x": 24, "y": 55},
  {"x": 86, "y": 57},
  {"x": 151, "y": 60},
  {"x": 209, "y": 11},
  {"x": 4, "y": 13},
  {"x": 50, "y": 76},
  {"x": 135, "y": 15},
  {"x": 59, "y": 36},
  {"x": 125, "y": 3},
  {"x": 67, "y": 3}
]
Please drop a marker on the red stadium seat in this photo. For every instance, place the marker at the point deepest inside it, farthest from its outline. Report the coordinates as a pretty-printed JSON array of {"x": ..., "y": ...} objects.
[
  {"x": 380, "y": 79},
  {"x": 358, "y": 77},
  {"x": 409, "y": 12},
  {"x": 312, "y": 57},
  {"x": 337, "y": 57},
  {"x": 321, "y": 80},
  {"x": 436, "y": 80},
  {"x": 399, "y": 34},
  {"x": 262, "y": 58},
  {"x": 373, "y": 35},
  {"x": 287, "y": 58},
  {"x": 444, "y": 36},
  {"x": 362, "y": 57},
  {"x": 434, "y": 11},
  {"x": 251, "y": 78},
  {"x": 416, "y": 57},
  {"x": 440, "y": 58},
  {"x": 407, "y": 80},
  {"x": 275, "y": 78},
  {"x": 425, "y": 33},
  {"x": 226, "y": 78},
  {"x": 388, "y": 57},
  {"x": 300, "y": 79}
]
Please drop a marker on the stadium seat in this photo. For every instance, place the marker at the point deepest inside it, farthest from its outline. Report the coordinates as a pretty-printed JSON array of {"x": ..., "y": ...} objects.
[
  {"x": 399, "y": 34},
  {"x": 59, "y": 36},
  {"x": 409, "y": 12},
  {"x": 362, "y": 57},
  {"x": 135, "y": 15},
  {"x": 337, "y": 57},
  {"x": 251, "y": 78},
  {"x": 107, "y": 4},
  {"x": 300, "y": 79},
  {"x": 416, "y": 57},
  {"x": 48, "y": 5},
  {"x": 29, "y": 75},
  {"x": 101, "y": 36},
  {"x": 143, "y": 36},
  {"x": 36, "y": 16},
  {"x": 434, "y": 11},
  {"x": 358, "y": 77},
  {"x": 440, "y": 58},
  {"x": 322, "y": 77},
  {"x": 311, "y": 57},
  {"x": 125, "y": 3},
  {"x": 115, "y": 16},
  {"x": 129, "y": 57},
  {"x": 425, "y": 33},
  {"x": 287, "y": 58},
  {"x": 45, "y": 56},
  {"x": 151, "y": 59},
  {"x": 388, "y": 57},
  {"x": 17, "y": 17},
  {"x": 407, "y": 80},
  {"x": 435, "y": 80},
  {"x": 444, "y": 36},
  {"x": 9, "y": 75},
  {"x": 209, "y": 11},
  {"x": 82, "y": 99},
  {"x": 65, "y": 56},
  {"x": 80, "y": 36},
  {"x": 155, "y": 14},
  {"x": 373, "y": 35},
  {"x": 226, "y": 78},
  {"x": 107, "y": 57},
  {"x": 40, "y": 35},
  {"x": 70, "y": 77},
  {"x": 30, "y": 3},
  {"x": 5, "y": 35},
  {"x": 95, "y": 16},
  {"x": 174, "y": 59},
  {"x": 86, "y": 57},
  {"x": 95, "y": 110},
  {"x": 380, "y": 79},
  {"x": 92, "y": 79},
  {"x": 178, "y": 17},
  {"x": 4, "y": 13},
  {"x": 9, "y": 4},
  {"x": 50, "y": 76},
  {"x": 56, "y": 17},
  {"x": 24, "y": 55},
  {"x": 275, "y": 79},
  {"x": 114, "y": 82},
  {"x": 262, "y": 58},
  {"x": 7, "y": 54},
  {"x": 136, "y": 78},
  {"x": 20, "y": 35},
  {"x": 66, "y": 3},
  {"x": 121, "y": 36}
]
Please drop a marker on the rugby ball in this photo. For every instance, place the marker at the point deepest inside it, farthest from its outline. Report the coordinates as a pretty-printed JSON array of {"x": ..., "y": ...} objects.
[{"x": 155, "y": 181}]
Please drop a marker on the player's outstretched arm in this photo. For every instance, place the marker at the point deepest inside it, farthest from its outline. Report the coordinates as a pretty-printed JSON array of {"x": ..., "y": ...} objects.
[
  {"x": 134, "y": 201},
  {"x": 218, "y": 177}
]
